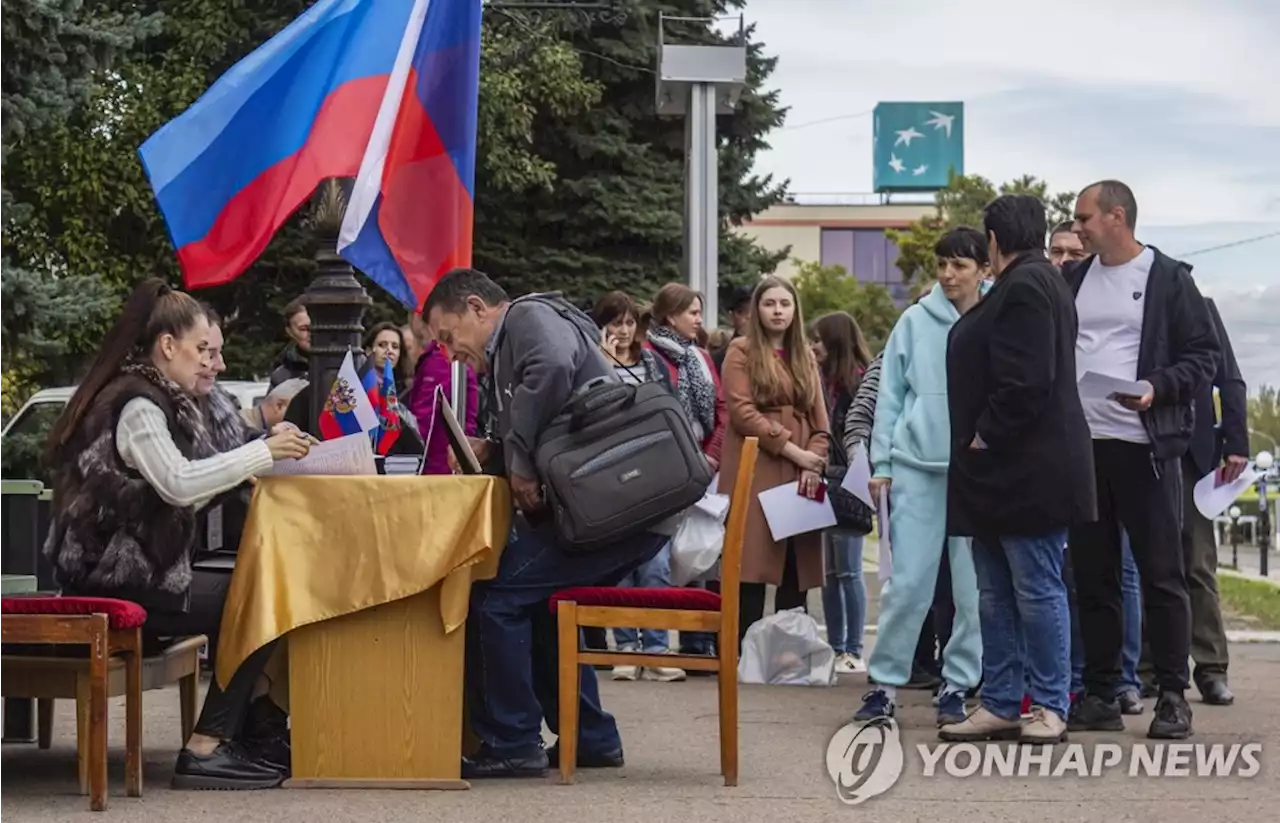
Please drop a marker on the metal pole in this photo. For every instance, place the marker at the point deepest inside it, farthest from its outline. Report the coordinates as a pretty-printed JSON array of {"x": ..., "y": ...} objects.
[
  {"x": 705, "y": 197},
  {"x": 458, "y": 392},
  {"x": 1264, "y": 526},
  {"x": 1235, "y": 543}
]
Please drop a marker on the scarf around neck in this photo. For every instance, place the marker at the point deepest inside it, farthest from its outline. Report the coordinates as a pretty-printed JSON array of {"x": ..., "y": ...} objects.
[{"x": 695, "y": 385}]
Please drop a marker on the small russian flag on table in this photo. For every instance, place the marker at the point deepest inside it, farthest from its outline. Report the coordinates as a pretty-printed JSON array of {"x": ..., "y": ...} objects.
[{"x": 348, "y": 409}]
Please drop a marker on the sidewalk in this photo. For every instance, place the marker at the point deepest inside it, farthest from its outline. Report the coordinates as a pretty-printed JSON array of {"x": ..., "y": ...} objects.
[{"x": 672, "y": 773}]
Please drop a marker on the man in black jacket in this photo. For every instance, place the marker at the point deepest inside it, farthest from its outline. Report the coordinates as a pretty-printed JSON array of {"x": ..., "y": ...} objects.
[
  {"x": 1142, "y": 319},
  {"x": 1214, "y": 443},
  {"x": 1021, "y": 474}
]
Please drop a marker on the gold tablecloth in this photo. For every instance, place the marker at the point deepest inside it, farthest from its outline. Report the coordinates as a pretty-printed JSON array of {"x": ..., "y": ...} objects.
[{"x": 316, "y": 548}]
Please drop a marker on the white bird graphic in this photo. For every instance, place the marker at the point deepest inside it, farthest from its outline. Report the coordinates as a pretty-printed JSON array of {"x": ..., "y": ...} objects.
[
  {"x": 941, "y": 121},
  {"x": 896, "y": 164},
  {"x": 919, "y": 170},
  {"x": 907, "y": 135}
]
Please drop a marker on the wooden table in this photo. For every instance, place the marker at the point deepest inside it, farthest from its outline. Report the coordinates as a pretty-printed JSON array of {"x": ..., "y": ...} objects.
[{"x": 368, "y": 579}]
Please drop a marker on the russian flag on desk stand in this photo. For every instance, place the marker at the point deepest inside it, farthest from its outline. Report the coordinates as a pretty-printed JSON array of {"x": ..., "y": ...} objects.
[
  {"x": 301, "y": 108},
  {"x": 409, "y": 220},
  {"x": 387, "y": 405},
  {"x": 349, "y": 409}
]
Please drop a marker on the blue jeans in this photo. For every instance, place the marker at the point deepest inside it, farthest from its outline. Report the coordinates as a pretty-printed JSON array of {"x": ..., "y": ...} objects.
[
  {"x": 1021, "y": 594},
  {"x": 844, "y": 597},
  {"x": 652, "y": 575},
  {"x": 512, "y": 653},
  {"x": 1131, "y": 651}
]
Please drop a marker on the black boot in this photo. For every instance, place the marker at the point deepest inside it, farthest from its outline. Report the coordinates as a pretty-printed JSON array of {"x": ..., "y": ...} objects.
[
  {"x": 1093, "y": 714},
  {"x": 1173, "y": 718},
  {"x": 266, "y": 734}
]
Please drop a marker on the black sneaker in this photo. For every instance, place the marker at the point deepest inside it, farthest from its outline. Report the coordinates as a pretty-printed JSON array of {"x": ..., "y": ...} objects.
[
  {"x": 488, "y": 764},
  {"x": 606, "y": 760},
  {"x": 1093, "y": 714},
  {"x": 228, "y": 767},
  {"x": 266, "y": 734},
  {"x": 1173, "y": 718}
]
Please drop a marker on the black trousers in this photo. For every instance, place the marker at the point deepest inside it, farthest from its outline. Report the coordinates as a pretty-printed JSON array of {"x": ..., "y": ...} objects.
[
  {"x": 1142, "y": 496},
  {"x": 224, "y": 709},
  {"x": 752, "y": 596}
]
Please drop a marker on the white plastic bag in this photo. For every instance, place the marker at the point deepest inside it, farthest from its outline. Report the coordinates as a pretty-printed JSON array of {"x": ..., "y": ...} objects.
[
  {"x": 786, "y": 649},
  {"x": 696, "y": 546}
]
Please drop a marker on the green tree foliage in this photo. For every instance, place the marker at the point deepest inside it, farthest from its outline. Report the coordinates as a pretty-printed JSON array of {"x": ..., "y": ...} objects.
[
  {"x": 51, "y": 52},
  {"x": 824, "y": 289},
  {"x": 961, "y": 204},
  {"x": 1264, "y": 419},
  {"x": 613, "y": 216}
]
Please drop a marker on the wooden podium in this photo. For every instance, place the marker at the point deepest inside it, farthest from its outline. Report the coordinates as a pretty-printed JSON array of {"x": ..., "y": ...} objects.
[
  {"x": 367, "y": 580},
  {"x": 375, "y": 699}
]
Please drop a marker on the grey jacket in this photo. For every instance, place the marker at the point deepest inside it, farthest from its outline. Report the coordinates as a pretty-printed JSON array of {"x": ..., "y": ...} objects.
[
  {"x": 543, "y": 352},
  {"x": 862, "y": 413}
]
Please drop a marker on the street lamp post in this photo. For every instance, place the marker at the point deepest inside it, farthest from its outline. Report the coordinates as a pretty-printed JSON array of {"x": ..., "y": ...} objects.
[
  {"x": 1234, "y": 513},
  {"x": 1263, "y": 464}
]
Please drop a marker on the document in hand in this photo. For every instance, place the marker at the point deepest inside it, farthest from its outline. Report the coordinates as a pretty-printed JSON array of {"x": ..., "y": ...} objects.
[
  {"x": 1213, "y": 496},
  {"x": 350, "y": 455},
  {"x": 788, "y": 513},
  {"x": 1095, "y": 386},
  {"x": 857, "y": 479},
  {"x": 885, "y": 557}
]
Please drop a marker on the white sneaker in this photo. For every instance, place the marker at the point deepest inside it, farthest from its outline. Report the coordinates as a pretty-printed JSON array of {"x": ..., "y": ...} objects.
[
  {"x": 856, "y": 663},
  {"x": 626, "y": 672},
  {"x": 844, "y": 663},
  {"x": 663, "y": 674}
]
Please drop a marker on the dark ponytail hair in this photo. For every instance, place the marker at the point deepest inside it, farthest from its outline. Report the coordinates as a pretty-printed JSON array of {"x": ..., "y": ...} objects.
[{"x": 153, "y": 309}]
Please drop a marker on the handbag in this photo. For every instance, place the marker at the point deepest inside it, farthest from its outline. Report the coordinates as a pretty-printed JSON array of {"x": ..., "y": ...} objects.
[{"x": 852, "y": 515}]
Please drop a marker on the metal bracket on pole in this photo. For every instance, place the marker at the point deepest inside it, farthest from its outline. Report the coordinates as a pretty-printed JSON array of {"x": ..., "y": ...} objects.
[{"x": 698, "y": 82}]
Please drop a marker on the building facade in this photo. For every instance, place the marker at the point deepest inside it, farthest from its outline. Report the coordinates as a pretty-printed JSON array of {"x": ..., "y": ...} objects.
[{"x": 848, "y": 235}]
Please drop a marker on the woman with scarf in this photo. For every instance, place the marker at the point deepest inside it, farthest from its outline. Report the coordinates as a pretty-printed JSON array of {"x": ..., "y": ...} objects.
[
  {"x": 133, "y": 464},
  {"x": 674, "y": 323}
]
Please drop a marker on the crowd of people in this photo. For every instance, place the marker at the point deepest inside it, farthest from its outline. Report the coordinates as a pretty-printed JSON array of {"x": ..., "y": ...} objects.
[{"x": 1041, "y": 541}]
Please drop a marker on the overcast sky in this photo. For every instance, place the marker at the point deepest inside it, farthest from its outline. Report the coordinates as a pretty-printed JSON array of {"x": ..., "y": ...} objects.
[{"x": 1178, "y": 98}]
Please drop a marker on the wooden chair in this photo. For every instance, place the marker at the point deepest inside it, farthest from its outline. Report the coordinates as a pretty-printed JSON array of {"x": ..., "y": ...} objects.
[
  {"x": 682, "y": 609},
  {"x": 114, "y": 666}
]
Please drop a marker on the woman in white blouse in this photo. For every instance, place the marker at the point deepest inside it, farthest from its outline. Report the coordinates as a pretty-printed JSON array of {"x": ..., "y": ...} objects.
[{"x": 132, "y": 463}]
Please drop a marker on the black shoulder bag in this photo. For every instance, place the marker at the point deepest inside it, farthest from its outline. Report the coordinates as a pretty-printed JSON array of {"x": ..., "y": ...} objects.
[{"x": 852, "y": 514}]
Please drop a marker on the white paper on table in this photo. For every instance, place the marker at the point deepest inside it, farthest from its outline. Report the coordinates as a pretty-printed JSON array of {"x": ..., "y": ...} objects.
[
  {"x": 788, "y": 513},
  {"x": 857, "y": 479},
  {"x": 350, "y": 455},
  {"x": 1212, "y": 498},
  {"x": 885, "y": 557},
  {"x": 1095, "y": 386}
]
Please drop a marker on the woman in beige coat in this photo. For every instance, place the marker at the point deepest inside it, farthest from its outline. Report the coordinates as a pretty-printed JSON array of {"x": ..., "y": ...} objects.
[{"x": 773, "y": 391}]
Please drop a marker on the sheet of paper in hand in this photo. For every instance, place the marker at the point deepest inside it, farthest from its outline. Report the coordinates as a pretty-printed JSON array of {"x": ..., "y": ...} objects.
[
  {"x": 1213, "y": 497},
  {"x": 350, "y": 455},
  {"x": 1095, "y": 386}
]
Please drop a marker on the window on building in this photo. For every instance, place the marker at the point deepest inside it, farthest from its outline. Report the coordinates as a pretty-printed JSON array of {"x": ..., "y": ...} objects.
[{"x": 868, "y": 255}]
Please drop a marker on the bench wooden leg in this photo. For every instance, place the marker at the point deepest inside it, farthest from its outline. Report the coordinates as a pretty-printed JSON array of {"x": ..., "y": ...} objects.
[
  {"x": 98, "y": 717},
  {"x": 82, "y": 731},
  {"x": 133, "y": 719},
  {"x": 728, "y": 684},
  {"x": 44, "y": 720},
  {"x": 189, "y": 694},
  {"x": 570, "y": 685}
]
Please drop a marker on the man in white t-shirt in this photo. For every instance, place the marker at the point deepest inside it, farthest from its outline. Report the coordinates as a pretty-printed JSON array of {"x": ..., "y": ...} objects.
[{"x": 1141, "y": 318}]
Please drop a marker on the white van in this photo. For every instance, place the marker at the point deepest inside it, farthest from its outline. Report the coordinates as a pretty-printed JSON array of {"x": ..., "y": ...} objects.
[{"x": 38, "y": 414}]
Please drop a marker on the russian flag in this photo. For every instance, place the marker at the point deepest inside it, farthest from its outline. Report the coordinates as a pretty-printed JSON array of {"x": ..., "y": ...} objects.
[
  {"x": 349, "y": 408},
  {"x": 410, "y": 216},
  {"x": 234, "y": 166}
]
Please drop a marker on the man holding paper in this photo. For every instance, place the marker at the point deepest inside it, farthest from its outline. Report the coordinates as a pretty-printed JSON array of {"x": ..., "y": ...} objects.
[{"x": 1141, "y": 320}]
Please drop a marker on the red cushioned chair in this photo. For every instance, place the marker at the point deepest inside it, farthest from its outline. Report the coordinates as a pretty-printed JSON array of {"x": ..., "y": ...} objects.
[
  {"x": 112, "y": 630},
  {"x": 684, "y": 609}
]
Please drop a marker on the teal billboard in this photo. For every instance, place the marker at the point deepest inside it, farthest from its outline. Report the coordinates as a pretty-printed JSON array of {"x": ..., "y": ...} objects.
[{"x": 916, "y": 145}]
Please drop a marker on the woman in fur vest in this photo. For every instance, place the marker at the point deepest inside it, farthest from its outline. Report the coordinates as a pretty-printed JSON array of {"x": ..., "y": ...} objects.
[{"x": 133, "y": 461}]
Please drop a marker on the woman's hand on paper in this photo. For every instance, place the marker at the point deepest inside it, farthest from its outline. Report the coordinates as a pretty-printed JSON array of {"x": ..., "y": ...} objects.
[{"x": 289, "y": 444}]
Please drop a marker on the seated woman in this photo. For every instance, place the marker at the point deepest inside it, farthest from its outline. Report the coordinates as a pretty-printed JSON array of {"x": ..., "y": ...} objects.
[{"x": 133, "y": 461}]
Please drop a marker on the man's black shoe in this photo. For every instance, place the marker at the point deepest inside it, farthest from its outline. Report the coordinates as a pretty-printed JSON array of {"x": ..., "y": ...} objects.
[
  {"x": 487, "y": 764},
  {"x": 1130, "y": 702},
  {"x": 1173, "y": 718},
  {"x": 1093, "y": 714},
  {"x": 1216, "y": 693},
  {"x": 227, "y": 767},
  {"x": 266, "y": 734},
  {"x": 607, "y": 760}
]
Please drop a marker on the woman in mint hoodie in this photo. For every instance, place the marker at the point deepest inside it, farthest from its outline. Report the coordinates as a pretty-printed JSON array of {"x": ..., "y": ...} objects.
[{"x": 910, "y": 451}]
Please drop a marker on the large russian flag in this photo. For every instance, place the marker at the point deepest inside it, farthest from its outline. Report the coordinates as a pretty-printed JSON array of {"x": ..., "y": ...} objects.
[
  {"x": 410, "y": 216},
  {"x": 234, "y": 166}
]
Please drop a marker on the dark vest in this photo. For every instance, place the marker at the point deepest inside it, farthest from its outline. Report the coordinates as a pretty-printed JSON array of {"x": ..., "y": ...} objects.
[{"x": 112, "y": 535}]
